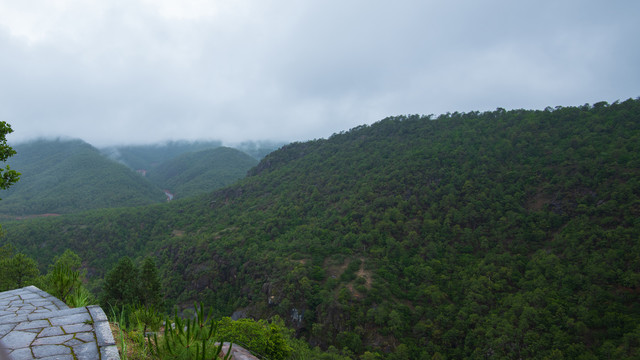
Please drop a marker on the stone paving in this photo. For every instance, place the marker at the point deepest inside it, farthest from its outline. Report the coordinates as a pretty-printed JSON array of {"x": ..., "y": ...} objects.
[{"x": 36, "y": 325}]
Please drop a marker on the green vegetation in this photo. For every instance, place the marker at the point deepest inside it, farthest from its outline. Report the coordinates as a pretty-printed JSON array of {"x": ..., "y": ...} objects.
[
  {"x": 199, "y": 337},
  {"x": 269, "y": 339},
  {"x": 16, "y": 270},
  {"x": 7, "y": 176},
  {"x": 146, "y": 157},
  {"x": 189, "y": 339},
  {"x": 201, "y": 172},
  {"x": 139, "y": 157},
  {"x": 202, "y": 336},
  {"x": 64, "y": 176},
  {"x": 126, "y": 285},
  {"x": 64, "y": 280},
  {"x": 503, "y": 234},
  {"x": 150, "y": 288},
  {"x": 257, "y": 149}
]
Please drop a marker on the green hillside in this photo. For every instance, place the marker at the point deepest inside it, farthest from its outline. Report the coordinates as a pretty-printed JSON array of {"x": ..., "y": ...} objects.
[
  {"x": 201, "y": 172},
  {"x": 502, "y": 235},
  {"x": 145, "y": 157},
  {"x": 64, "y": 176},
  {"x": 257, "y": 149}
]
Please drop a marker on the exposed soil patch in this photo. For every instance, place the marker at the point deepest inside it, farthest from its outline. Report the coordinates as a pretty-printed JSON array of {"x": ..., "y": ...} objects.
[
  {"x": 177, "y": 233},
  {"x": 538, "y": 201},
  {"x": 334, "y": 271}
]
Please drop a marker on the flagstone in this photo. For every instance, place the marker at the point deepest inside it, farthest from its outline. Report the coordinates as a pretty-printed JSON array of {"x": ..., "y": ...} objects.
[
  {"x": 36, "y": 325},
  {"x": 76, "y": 328},
  {"x": 50, "y": 350},
  {"x": 22, "y": 354},
  {"x": 32, "y": 324},
  {"x": 61, "y": 339},
  {"x": 51, "y": 331},
  {"x": 17, "y": 339},
  {"x": 86, "y": 336}
]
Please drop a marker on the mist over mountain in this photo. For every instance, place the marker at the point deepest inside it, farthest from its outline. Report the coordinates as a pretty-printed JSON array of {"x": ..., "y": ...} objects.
[
  {"x": 145, "y": 157},
  {"x": 257, "y": 149},
  {"x": 60, "y": 176},
  {"x": 201, "y": 172}
]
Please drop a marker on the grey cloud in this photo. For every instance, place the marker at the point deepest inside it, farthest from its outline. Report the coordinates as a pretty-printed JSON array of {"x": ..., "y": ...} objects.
[{"x": 289, "y": 70}]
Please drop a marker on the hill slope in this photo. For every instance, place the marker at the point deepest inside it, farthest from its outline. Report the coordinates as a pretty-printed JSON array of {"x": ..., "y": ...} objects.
[
  {"x": 505, "y": 234},
  {"x": 145, "y": 157},
  {"x": 201, "y": 172},
  {"x": 64, "y": 176}
]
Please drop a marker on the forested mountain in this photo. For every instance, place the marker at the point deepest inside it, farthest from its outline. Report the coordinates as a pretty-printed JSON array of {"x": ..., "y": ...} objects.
[
  {"x": 145, "y": 157},
  {"x": 201, "y": 172},
  {"x": 64, "y": 176},
  {"x": 503, "y": 234},
  {"x": 257, "y": 149}
]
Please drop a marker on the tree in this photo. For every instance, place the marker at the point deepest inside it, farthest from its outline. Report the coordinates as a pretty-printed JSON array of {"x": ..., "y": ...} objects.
[
  {"x": 6, "y": 251},
  {"x": 68, "y": 259},
  {"x": 7, "y": 176},
  {"x": 121, "y": 284},
  {"x": 64, "y": 275},
  {"x": 149, "y": 283},
  {"x": 127, "y": 285},
  {"x": 18, "y": 271}
]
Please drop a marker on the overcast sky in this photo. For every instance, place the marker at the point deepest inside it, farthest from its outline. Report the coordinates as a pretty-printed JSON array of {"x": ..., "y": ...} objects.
[{"x": 142, "y": 71}]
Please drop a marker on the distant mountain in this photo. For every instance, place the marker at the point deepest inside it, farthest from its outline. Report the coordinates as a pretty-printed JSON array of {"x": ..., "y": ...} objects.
[
  {"x": 145, "y": 157},
  {"x": 258, "y": 149},
  {"x": 64, "y": 176},
  {"x": 201, "y": 172}
]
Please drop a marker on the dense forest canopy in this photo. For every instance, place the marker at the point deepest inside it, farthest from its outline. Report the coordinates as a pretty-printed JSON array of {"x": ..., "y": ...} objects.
[{"x": 502, "y": 234}]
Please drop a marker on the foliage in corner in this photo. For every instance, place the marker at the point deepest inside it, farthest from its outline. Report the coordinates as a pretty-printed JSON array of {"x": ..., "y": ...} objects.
[{"x": 7, "y": 176}]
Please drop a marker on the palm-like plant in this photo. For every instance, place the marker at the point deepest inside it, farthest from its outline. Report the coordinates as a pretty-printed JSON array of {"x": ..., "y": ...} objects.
[{"x": 192, "y": 339}]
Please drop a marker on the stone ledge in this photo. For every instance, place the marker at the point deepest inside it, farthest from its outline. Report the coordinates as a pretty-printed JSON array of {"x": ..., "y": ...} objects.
[{"x": 36, "y": 325}]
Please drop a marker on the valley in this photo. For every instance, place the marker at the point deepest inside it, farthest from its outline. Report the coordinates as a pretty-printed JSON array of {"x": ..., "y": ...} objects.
[{"x": 65, "y": 176}]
